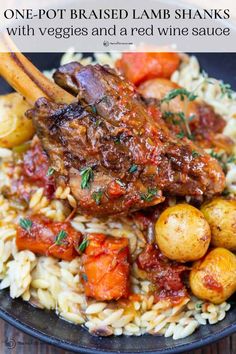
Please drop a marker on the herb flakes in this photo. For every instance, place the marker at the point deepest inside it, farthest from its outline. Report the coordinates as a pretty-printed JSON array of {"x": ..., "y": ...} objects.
[
  {"x": 182, "y": 92},
  {"x": 60, "y": 237},
  {"x": 50, "y": 172},
  {"x": 195, "y": 154},
  {"x": 84, "y": 244},
  {"x": 25, "y": 224},
  {"x": 149, "y": 196},
  {"x": 180, "y": 135},
  {"x": 87, "y": 175},
  {"x": 133, "y": 168},
  {"x": 184, "y": 120},
  {"x": 97, "y": 196}
]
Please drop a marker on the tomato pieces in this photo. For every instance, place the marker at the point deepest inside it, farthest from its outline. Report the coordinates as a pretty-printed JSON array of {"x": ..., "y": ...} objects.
[
  {"x": 115, "y": 190},
  {"x": 106, "y": 267},
  {"x": 45, "y": 237},
  {"x": 165, "y": 275},
  {"x": 35, "y": 169},
  {"x": 139, "y": 67}
]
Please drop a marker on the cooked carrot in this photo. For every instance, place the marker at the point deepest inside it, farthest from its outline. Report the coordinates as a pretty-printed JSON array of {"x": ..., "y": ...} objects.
[
  {"x": 106, "y": 267},
  {"x": 45, "y": 237},
  {"x": 139, "y": 67}
]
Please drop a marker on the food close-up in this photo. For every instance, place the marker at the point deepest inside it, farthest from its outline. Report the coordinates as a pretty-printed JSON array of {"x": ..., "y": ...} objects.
[{"x": 117, "y": 191}]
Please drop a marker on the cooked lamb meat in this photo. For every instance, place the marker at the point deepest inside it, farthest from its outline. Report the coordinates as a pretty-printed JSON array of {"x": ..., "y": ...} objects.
[{"x": 111, "y": 151}]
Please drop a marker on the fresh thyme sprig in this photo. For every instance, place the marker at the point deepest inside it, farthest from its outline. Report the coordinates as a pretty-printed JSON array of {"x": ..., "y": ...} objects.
[
  {"x": 50, "y": 171},
  {"x": 60, "y": 237},
  {"x": 133, "y": 168},
  {"x": 223, "y": 159},
  {"x": 195, "y": 154},
  {"x": 97, "y": 196},
  {"x": 25, "y": 224},
  {"x": 84, "y": 244},
  {"x": 87, "y": 175},
  {"x": 184, "y": 120},
  {"x": 182, "y": 92},
  {"x": 149, "y": 196}
]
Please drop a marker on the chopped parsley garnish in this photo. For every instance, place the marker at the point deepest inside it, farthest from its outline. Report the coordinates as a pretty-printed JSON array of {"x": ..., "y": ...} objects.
[
  {"x": 117, "y": 139},
  {"x": 180, "y": 135},
  {"x": 84, "y": 276},
  {"x": 26, "y": 224},
  {"x": 133, "y": 168},
  {"x": 83, "y": 245},
  {"x": 97, "y": 196},
  {"x": 50, "y": 171},
  {"x": 60, "y": 237},
  {"x": 182, "y": 92},
  {"x": 151, "y": 193},
  {"x": 195, "y": 154},
  {"x": 87, "y": 175},
  {"x": 226, "y": 90}
]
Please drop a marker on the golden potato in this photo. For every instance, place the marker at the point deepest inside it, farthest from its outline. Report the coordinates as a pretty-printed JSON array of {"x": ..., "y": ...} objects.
[
  {"x": 221, "y": 216},
  {"x": 182, "y": 233},
  {"x": 15, "y": 128},
  {"x": 214, "y": 277}
]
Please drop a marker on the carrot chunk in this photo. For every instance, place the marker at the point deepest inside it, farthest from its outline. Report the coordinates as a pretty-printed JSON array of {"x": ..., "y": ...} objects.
[
  {"x": 139, "y": 67},
  {"x": 45, "y": 237},
  {"x": 106, "y": 267}
]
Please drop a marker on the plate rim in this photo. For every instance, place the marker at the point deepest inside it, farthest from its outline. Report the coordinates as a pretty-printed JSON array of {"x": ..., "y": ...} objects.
[{"x": 66, "y": 345}]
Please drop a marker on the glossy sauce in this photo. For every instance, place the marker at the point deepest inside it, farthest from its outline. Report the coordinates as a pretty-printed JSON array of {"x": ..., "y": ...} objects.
[
  {"x": 41, "y": 238},
  {"x": 35, "y": 167},
  {"x": 166, "y": 276}
]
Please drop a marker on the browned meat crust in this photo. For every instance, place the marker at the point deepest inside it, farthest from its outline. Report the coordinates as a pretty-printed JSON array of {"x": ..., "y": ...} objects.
[{"x": 131, "y": 157}]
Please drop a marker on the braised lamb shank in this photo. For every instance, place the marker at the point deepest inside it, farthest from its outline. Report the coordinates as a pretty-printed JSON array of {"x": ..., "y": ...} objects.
[{"x": 114, "y": 155}]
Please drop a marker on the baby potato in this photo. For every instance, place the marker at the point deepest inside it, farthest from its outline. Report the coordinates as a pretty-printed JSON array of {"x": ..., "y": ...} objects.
[
  {"x": 221, "y": 216},
  {"x": 214, "y": 277},
  {"x": 15, "y": 128},
  {"x": 182, "y": 233}
]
